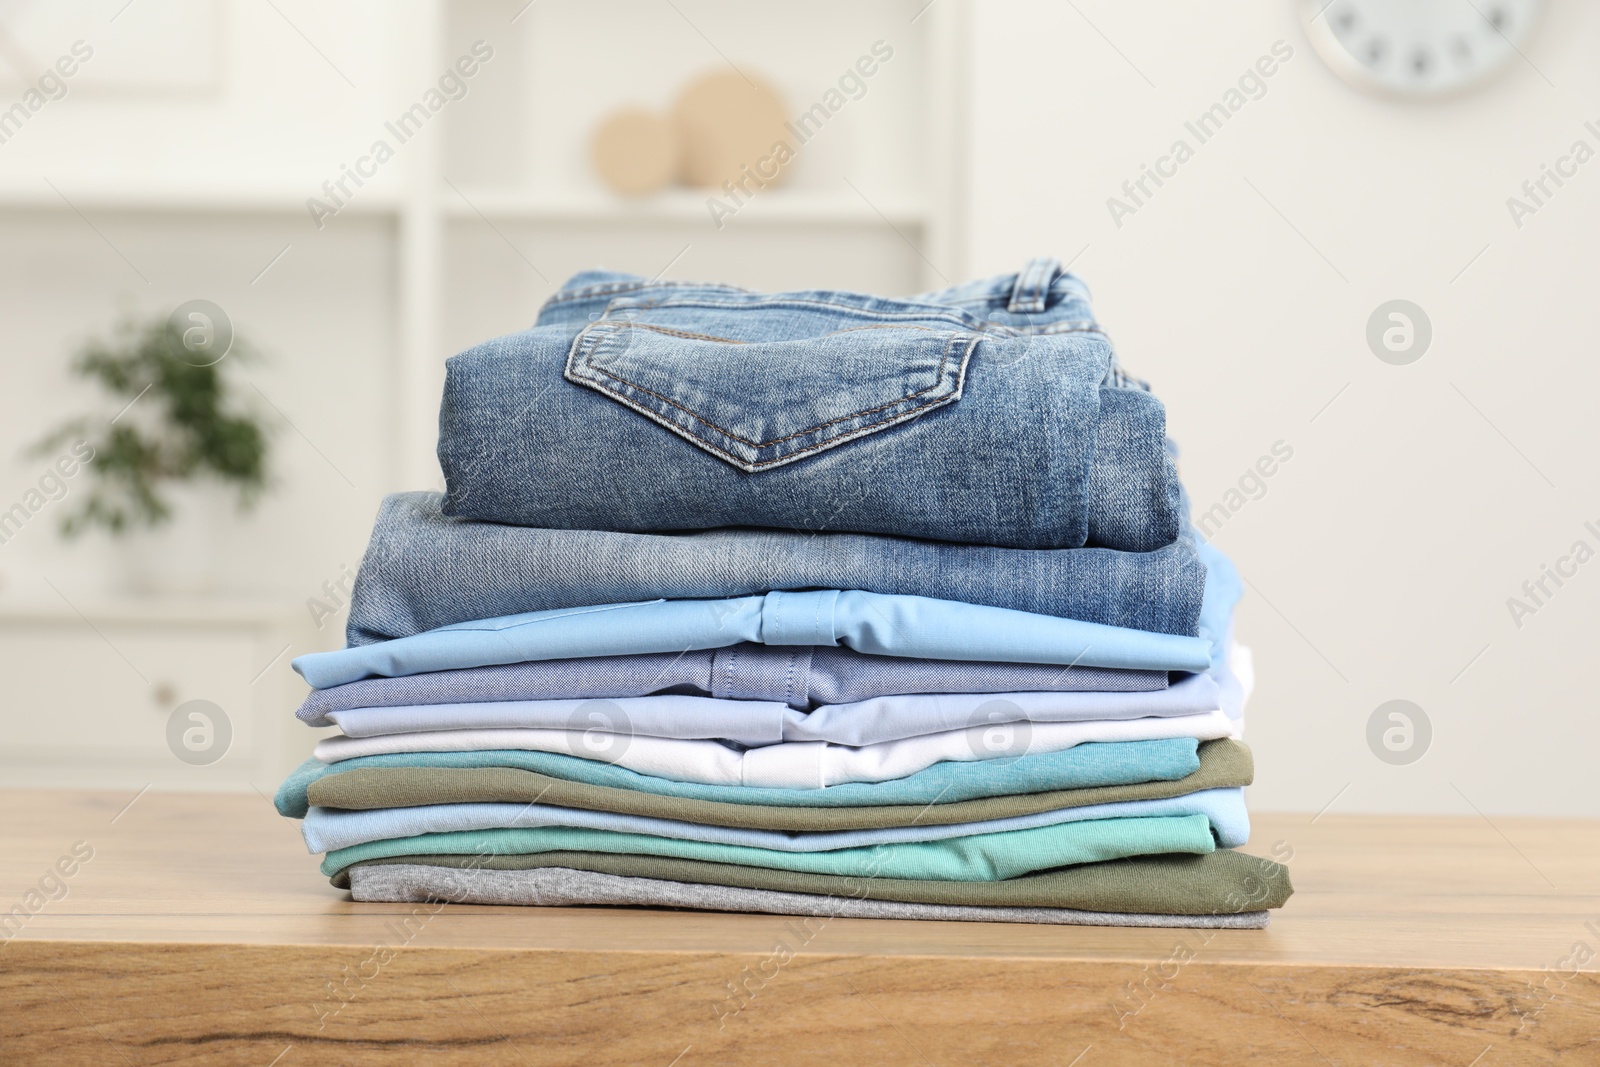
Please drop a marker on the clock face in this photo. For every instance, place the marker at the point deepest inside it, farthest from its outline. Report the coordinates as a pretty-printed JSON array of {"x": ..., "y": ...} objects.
[{"x": 1418, "y": 47}]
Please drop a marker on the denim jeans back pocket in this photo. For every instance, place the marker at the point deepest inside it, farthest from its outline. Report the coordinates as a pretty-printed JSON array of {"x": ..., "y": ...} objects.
[{"x": 761, "y": 381}]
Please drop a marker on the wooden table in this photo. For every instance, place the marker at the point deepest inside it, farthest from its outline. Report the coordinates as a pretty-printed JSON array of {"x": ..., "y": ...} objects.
[{"x": 200, "y": 932}]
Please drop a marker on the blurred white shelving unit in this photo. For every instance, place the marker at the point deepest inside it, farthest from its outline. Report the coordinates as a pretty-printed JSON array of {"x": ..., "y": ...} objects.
[
  {"x": 119, "y": 201},
  {"x": 94, "y": 684},
  {"x": 157, "y": 198},
  {"x": 679, "y": 206},
  {"x": 492, "y": 204}
]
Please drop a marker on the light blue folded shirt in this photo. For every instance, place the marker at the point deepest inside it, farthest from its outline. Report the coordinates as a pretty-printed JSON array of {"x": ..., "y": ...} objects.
[
  {"x": 1223, "y": 590},
  {"x": 874, "y": 623},
  {"x": 1092, "y": 764},
  {"x": 756, "y": 723},
  {"x": 329, "y": 829}
]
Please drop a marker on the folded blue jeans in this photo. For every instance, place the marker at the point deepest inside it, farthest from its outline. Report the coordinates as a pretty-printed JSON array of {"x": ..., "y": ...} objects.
[
  {"x": 425, "y": 570},
  {"x": 992, "y": 413},
  {"x": 800, "y": 676}
]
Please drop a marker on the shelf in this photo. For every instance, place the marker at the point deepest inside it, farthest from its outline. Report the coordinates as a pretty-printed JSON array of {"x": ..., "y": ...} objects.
[
  {"x": 218, "y": 609},
  {"x": 163, "y": 198},
  {"x": 678, "y": 206}
]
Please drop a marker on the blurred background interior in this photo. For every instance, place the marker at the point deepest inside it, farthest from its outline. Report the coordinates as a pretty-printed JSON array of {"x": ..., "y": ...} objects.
[{"x": 161, "y": 152}]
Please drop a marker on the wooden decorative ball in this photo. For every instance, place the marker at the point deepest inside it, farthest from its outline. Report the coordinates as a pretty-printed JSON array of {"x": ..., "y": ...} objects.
[
  {"x": 635, "y": 151},
  {"x": 731, "y": 129}
]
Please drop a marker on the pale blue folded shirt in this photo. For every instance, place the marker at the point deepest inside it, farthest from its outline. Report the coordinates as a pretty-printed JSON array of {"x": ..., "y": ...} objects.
[
  {"x": 874, "y": 623},
  {"x": 329, "y": 829},
  {"x": 755, "y": 723},
  {"x": 1222, "y": 592}
]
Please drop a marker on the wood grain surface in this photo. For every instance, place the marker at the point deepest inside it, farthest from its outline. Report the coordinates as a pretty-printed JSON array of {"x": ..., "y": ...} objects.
[{"x": 199, "y": 931}]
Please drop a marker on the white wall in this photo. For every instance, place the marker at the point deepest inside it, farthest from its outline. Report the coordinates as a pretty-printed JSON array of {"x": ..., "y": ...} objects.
[{"x": 1383, "y": 553}]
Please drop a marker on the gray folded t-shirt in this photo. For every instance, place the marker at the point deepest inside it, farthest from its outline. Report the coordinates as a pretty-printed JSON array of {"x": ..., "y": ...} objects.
[{"x": 561, "y": 887}]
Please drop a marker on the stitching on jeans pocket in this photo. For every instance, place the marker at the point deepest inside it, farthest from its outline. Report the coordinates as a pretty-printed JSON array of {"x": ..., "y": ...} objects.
[
  {"x": 798, "y": 453},
  {"x": 707, "y": 418},
  {"x": 777, "y": 441}
]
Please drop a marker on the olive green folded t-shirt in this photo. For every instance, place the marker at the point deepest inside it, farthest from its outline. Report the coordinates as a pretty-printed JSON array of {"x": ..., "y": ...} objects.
[{"x": 1223, "y": 764}]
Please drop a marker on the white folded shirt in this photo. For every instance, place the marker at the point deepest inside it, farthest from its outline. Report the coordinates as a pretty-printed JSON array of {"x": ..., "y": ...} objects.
[{"x": 791, "y": 764}]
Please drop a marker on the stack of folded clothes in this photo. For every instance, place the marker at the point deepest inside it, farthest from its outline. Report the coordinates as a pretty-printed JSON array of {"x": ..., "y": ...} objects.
[{"x": 807, "y": 603}]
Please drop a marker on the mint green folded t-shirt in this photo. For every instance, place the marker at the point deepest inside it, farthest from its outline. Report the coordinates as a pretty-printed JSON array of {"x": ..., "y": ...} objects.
[{"x": 977, "y": 858}]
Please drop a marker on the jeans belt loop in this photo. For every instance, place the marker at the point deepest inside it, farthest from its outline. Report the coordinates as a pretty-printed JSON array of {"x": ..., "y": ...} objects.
[{"x": 1033, "y": 285}]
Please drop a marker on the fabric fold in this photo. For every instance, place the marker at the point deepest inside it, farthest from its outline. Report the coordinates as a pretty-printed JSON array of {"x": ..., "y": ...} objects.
[
  {"x": 560, "y": 887},
  {"x": 873, "y": 623},
  {"x": 327, "y": 829},
  {"x": 1119, "y": 763},
  {"x": 981, "y": 858},
  {"x": 1224, "y": 882},
  {"x": 790, "y": 764},
  {"x": 800, "y": 677},
  {"x": 754, "y": 722},
  {"x": 423, "y": 570},
  {"x": 1222, "y": 765}
]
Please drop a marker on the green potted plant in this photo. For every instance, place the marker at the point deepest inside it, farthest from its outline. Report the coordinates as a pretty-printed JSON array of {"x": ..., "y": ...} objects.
[{"x": 169, "y": 452}]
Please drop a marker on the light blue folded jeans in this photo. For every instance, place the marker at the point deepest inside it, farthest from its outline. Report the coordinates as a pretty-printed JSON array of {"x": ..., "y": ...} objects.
[
  {"x": 992, "y": 413},
  {"x": 424, "y": 570}
]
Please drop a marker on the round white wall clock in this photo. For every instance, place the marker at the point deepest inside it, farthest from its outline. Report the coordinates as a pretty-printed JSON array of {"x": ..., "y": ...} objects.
[{"x": 1419, "y": 48}]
